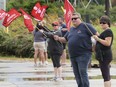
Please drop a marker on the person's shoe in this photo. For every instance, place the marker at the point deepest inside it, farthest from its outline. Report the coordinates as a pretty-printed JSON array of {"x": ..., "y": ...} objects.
[
  {"x": 35, "y": 65},
  {"x": 53, "y": 79},
  {"x": 43, "y": 64},
  {"x": 59, "y": 79},
  {"x": 40, "y": 63},
  {"x": 46, "y": 62}
]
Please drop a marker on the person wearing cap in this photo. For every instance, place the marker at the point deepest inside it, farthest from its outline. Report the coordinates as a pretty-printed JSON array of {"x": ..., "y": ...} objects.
[
  {"x": 105, "y": 41},
  {"x": 55, "y": 49},
  {"x": 79, "y": 47}
]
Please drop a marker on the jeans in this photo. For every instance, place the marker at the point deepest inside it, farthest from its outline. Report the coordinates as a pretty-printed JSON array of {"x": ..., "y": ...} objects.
[{"x": 80, "y": 67}]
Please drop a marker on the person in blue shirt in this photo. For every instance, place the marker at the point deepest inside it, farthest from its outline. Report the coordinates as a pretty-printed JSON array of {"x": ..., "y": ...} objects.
[
  {"x": 39, "y": 46},
  {"x": 80, "y": 48},
  {"x": 64, "y": 30}
]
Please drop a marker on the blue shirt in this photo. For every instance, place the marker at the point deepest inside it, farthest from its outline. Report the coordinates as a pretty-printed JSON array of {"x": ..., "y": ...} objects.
[
  {"x": 79, "y": 40},
  {"x": 38, "y": 36},
  {"x": 61, "y": 27}
]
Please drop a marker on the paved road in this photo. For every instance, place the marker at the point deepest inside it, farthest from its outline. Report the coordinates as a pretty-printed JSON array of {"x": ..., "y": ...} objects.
[{"x": 24, "y": 74}]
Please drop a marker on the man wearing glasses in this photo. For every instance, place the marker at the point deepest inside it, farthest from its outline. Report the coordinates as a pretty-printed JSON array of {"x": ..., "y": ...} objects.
[{"x": 80, "y": 48}]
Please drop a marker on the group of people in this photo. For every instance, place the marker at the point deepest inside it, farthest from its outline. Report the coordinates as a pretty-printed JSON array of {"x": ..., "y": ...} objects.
[
  {"x": 44, "y": 40},
  {"x": 79, "y": 47}
]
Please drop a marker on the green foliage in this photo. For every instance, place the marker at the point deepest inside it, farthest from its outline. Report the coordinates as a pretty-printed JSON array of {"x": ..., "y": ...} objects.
[
  {"x": 113, "y": 14},
  {"x": 19, "y": 42}
]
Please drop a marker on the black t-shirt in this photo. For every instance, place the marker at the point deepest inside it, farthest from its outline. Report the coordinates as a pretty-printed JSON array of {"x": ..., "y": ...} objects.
[
  {"x": 106, "y": 50},
  {"x": 103, "y": 35}
]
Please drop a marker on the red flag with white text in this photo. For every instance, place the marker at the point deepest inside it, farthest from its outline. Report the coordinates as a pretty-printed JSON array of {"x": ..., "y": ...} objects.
[
  {"x": 11, "y": 15},
  {"x": 27, "y": 20},
  {"x": 68, "y": 13},
  {"x": 38, "y": 11},
  {"x": 2, "y": 14}
]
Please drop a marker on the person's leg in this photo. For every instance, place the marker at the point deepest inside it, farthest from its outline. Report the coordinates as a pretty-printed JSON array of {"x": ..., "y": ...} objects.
[
  {"x": 36, "y": 51},
  {"x": 46, "y": 57},
  {"x": 75, "y": 70},
  {"x": 55, "y": 68},
  {"x": 80, "y": 67},
  {"x": 59, "y": 67},
  {"x": 105, "y": 69},
  {"x": 45, "y": 53},
  {"x": 35, "y": 57},
  {"x": 41, "y": 52},
  {"x": 42, "y": 56},
  {"x": 107, "y": 84},
  {"x": 63, "y": 57}
]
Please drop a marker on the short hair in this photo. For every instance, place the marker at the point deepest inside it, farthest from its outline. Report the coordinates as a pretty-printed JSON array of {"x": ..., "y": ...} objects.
[
  {"x": 62, "y": 18},
  {"x": 105, "y": 19},
  {"x": 75, "y": 13}
]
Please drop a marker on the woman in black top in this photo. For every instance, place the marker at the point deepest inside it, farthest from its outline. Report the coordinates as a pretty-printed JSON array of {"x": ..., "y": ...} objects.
[{"x": 105, "y": 42}]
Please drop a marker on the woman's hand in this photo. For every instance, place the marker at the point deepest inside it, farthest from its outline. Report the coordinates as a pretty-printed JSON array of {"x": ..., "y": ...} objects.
[{"x": 56, "y": 37}]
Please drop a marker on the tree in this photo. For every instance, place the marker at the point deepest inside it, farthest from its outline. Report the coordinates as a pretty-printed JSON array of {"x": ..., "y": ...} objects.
[{"x": 107, "y": 6}]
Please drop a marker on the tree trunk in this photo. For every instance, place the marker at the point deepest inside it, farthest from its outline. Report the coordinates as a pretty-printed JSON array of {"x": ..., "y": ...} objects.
[
  {"x": 75, "y": 3},
  {"x": 107, "y": 6}
]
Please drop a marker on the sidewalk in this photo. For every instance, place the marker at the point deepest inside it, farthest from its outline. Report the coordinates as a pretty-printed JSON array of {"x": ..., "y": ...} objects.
[{"x": 24, "y": 74}]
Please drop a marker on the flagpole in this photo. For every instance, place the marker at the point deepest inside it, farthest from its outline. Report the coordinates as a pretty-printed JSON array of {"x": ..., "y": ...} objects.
[{"x": 41, "y": 32}]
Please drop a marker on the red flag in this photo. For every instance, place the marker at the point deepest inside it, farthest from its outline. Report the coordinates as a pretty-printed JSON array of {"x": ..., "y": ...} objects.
[
  {"x": 11, "y": 15},
  {"x": 69, "y": 10},
  {"x": 2, "y": 14},
  {"x": 38, "y": 11},
  {"x": 27, "y": 20}
]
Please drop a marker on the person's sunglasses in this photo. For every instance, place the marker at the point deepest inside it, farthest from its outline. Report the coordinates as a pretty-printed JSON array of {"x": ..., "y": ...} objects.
[
  {"x": 75, "y": 18},
  {"x": 103, "y": 23},
  {"x": 54, "y": 25}
]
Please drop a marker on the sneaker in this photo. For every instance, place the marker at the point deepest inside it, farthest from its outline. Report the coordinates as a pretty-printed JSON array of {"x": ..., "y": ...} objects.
[
  {"x": 40, "y": 63},
  {"x": 59, "y": 79},
  {"x": 53, "y": 79},
  {"x": 35, "y": 65},
  {"x": 46, "y": 62}
]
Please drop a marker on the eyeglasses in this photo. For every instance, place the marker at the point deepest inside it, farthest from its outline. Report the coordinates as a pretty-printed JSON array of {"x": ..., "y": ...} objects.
[
  {"x": 103, "y": 23},
  {"x": 75, "y": 18}
]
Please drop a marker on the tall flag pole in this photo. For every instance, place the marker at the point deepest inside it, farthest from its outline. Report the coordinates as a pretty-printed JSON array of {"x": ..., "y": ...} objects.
[
  {"x": 68, "y": 13},
  {"x": 2, "y": 14}
]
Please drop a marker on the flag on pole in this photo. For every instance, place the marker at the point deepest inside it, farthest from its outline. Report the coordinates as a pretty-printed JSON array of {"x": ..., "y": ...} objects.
[
  {"x": 38, "y": 11},
  {"x": 2, "y": 14},
  {"x": 68, "y": 14},
  {"x": 11, "y": 15},
  {"x": 27, "y": 20}
]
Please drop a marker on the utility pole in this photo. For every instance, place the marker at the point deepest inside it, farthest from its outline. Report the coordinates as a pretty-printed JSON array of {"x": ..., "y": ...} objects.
[
  {"x": 107, "y": 7},
  {"x": 2, "y": 6}
]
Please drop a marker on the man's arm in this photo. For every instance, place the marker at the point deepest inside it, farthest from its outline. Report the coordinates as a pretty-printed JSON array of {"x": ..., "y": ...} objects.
[{"x": 61, "y": 39}]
